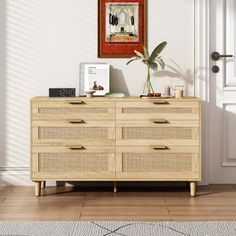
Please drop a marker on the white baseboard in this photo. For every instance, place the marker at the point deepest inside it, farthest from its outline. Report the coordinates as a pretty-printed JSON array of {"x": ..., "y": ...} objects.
[{"x": 15, "y": 176}]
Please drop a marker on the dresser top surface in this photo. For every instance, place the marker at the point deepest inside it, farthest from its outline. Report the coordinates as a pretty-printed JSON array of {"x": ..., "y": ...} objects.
[{"x": 128, "y": 98}]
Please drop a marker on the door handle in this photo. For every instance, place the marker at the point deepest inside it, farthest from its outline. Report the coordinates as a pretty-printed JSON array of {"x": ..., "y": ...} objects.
[{"x": 215, "y": 56}]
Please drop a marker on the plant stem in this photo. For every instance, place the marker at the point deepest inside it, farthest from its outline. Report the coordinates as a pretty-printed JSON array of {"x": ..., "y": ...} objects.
[{"x": 147, "y": 88}]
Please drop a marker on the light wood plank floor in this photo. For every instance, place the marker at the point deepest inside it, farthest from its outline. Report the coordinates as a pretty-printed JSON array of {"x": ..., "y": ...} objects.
[{"x": 215, "y": 202}]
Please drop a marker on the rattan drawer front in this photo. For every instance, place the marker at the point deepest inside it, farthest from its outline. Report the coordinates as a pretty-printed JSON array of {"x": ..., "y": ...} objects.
[
  {"x": 80, "y": 109},
  {"x": 79, "y": 163},
  {"x": 151, "y": 110},
  {"x": 158, "y": 103},
  {"x": 149, "y": 163},
  {"x": 63, "y": 162},
  {"x": 160, "y": 135},
  {"x": 64, "y": 133},
  {"x": 158, "y": 123},
  {"x": 157, "y": 133},
  {"x": 142, "y": 115},
  {"x": 73, "y": 133}
]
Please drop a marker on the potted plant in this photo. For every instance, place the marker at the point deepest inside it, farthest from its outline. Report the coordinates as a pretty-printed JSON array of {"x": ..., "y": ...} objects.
[{"x": 152, "y": 61}]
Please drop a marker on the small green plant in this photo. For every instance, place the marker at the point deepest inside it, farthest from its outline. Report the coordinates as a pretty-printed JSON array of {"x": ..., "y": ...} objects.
[{"x": 152, "y": 61}]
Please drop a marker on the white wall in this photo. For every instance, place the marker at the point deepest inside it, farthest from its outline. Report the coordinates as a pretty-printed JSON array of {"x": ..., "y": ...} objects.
[{"x": 42, "y": 43}]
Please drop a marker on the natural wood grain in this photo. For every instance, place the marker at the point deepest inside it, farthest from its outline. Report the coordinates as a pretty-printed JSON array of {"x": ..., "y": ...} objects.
[
  {"x": 110, "y": 127},
  {"x": 37, "y": 188},
  {"x": 43, "y": 184},
  {"x": 216, "y": 202},
  {"x": 192, "y": 189},
  {"x": 127, "y": 98}
]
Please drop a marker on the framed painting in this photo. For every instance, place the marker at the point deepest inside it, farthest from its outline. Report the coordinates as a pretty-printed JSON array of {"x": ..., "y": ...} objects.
[{"x": 122, "y": 27}]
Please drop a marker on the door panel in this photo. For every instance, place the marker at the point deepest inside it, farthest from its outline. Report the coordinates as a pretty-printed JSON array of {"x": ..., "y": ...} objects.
[
  {"x": 222, "y": 113},
  {"x": 229, "y": 135}
]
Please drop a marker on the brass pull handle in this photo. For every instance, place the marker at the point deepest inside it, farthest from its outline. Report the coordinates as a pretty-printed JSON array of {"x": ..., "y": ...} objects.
[
  {"x": 76, "y": 121},
  {"x": 76, "y": 148},
  {"x": 161, "y": 121},
  {"x": 161, "y": 147},
  {"x": 76, "y": 103},
  {"x": 161, "y": 102}
]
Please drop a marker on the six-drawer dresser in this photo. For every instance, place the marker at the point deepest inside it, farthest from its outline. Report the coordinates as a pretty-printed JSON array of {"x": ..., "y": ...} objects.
[{"x": 125, "y": 139}]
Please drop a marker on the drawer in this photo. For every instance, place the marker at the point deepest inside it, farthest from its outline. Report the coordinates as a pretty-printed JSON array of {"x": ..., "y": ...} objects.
[
  {"x": 75, "y": 132},
  {"x": 157, "y": 132},
  {"x": 73, "y": 162},
  {"x": 74, "y": 109},
  {"x": 143, "y": 163},
  {"x": 160, "y": 109}
]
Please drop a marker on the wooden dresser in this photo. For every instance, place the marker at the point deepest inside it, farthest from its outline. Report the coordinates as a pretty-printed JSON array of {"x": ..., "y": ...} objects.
[{"x": 126, "y": 139}]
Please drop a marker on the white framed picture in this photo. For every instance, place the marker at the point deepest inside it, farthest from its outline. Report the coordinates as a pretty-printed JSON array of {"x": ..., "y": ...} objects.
[{"x": 94, "y": 76}]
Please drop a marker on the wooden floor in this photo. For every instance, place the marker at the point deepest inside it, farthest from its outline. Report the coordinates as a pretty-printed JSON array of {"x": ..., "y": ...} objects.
[{"x": 216, "y": 202}]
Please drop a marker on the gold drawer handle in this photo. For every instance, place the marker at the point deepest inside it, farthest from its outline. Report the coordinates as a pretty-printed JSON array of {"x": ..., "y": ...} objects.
[
  {"x": 77, "y": 148},
  {"x": 161, "y": 102},
  {"x": 76, "y": 121},
  {"x": 161, "y": 121},
  {"x": 162, "y": 147},
  {"x": 77, "y": 102}
]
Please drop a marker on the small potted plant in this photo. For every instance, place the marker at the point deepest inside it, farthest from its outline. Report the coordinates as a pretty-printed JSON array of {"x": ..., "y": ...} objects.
[{"x": 153, "y": 62}]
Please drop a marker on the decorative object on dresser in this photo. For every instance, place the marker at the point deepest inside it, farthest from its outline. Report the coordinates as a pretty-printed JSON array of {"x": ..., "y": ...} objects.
[
  {"x": 94, "y": 77},
  {"x": 89, "y": 94},
  {"x": 115, "y": 139},
  {"x": 62, "y": 92},
  {"x": 178, "y": 91},
  {"x": 152, "y": 61}
]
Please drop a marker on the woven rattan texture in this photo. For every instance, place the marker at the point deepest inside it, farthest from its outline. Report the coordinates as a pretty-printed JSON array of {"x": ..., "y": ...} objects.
[
  {"x": 66, "y": 162},
  {"x": 158, "y": 110},
  {"x": 162, "y": 162},
  {"x": 156, "y": 133},
  {"x": 73, "y": 133},
  {"x": 61, "y": 110}
]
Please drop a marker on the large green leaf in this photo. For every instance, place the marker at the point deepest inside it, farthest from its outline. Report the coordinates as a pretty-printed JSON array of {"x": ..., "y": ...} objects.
[
  {"x": 161, "y": 62},
  {"x": 157, "y": 51},
  {"x": 132, "y": 59},
  {"x": 154, "y": 66}
]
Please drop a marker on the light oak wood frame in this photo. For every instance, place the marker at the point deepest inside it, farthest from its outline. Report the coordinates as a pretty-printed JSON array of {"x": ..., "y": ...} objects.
[{"x": 115, "y": 120}]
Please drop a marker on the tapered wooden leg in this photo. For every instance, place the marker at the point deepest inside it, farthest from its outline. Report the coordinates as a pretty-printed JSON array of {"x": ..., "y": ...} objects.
[
  {"x": 37, "y": 189},
  {"x": 43, "y": 184},
  {"x": 115, "y": 187},
  {"x": 192, "y": 189}
]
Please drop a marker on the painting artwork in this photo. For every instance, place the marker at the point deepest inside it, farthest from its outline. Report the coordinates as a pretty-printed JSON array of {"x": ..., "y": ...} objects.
[
  {"x": 122, "y": 22},
  {"x": 122, "y": 27}
]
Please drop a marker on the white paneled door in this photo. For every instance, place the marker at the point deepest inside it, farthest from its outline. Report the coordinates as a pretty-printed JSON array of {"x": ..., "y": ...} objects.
[{"x": 222, "y": 96}]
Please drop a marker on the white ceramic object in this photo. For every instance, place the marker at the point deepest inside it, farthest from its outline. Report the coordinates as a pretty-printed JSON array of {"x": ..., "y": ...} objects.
[{"x": 90, "y": 93}]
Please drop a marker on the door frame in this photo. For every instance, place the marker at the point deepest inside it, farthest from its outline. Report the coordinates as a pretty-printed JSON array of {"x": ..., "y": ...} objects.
[{"x": 202, "y": 76}]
